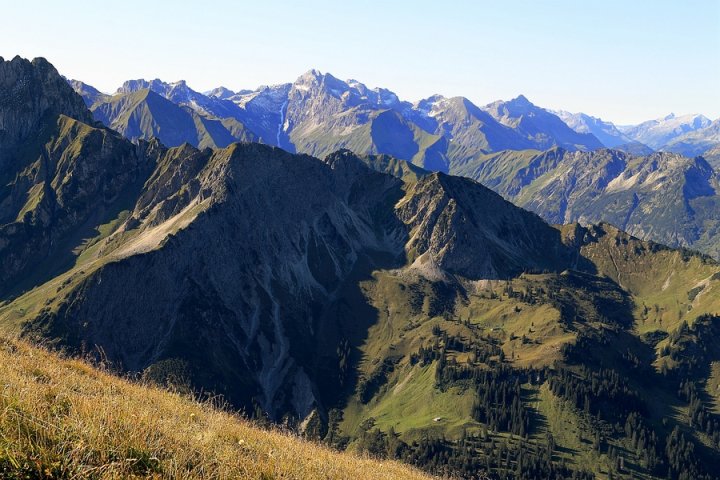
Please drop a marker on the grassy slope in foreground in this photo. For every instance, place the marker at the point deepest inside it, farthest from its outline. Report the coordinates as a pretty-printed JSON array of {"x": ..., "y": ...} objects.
[{"x": 62, "y": 418}]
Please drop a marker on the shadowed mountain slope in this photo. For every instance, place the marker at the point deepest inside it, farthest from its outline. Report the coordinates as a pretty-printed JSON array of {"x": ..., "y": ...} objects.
[{"x": 370, "y": 304}]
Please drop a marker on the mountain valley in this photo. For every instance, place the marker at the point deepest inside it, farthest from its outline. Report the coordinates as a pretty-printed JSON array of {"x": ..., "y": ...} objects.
[{"x": 329, "y": 258}]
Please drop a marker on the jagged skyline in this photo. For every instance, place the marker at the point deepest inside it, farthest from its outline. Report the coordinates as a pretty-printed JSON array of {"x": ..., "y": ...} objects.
[{"x": 623, "y": 63}]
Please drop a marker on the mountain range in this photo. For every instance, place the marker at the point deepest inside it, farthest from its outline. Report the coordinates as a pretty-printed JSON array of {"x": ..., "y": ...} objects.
[
  {"x": 606, "y": 132},
  {"x": 359, "y": 298},
  {"x": 319, "y": 114},
  {"x": 663, "y": 196},
  {"x": 269, "y": 113},
  {"x": 659, "y": 133},
  {"x": 700, "y": 141}
]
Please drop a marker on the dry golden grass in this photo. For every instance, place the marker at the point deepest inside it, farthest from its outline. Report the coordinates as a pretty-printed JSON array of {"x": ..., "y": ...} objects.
[{"x": 62, "y": 418}]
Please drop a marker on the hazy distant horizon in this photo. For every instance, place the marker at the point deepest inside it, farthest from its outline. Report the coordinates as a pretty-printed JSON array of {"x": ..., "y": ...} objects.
[{"x": 624, "y": 63}]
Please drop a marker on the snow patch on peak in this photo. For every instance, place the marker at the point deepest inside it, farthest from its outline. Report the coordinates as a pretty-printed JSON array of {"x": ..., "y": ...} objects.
[
  {"x": 387, "y": 97},
  {"x": 428, "y": 106}
]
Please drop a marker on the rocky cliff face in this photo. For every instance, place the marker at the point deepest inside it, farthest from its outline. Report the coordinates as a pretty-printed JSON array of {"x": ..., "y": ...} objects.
[
  {"x": 239, "y": 261},
  {"x": 540, "y": 127},
  {"x": 318, "y": 114},
  {"x": 79, "y": 178},
  {"x": 466, "y": 229},
  {"x": 663, "y": 197},
  {"x": 60, "y": 174},
  {"x": 23, "y": 111},
  {"x": 242, "y": 287}
]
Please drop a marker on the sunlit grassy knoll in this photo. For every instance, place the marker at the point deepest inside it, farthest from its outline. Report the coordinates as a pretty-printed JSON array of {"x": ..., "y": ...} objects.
[
  {"x": 413, "y": 406},
  {"x": 667, "y": 286},
  {"x": 412, "y": 314},
  {"x": 62, "y": 418}
]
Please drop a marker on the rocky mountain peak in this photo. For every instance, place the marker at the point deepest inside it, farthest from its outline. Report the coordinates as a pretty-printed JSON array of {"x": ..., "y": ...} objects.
[
  {"x": 316, "y": 82},
  {"x": 519, "y": 105},
  {"x": 221, "y": 92},
  {"x": 130, "y": 86},
  {"x": 521, "y": 100},
  {"x": 32, "y": 95},
  {"x": 539, "y": 125},
  {"x": 606, "y": 132},
  {"x": 90, "y": 94},
  {"x": 167, "y": 90},
  {"x": 310, "y": 78},
  {"x": 312, "y": 73},
  {"x": 456, "y": 219},
  {"x": 663, "y": 131},
  {"x": 427, "y": 103},
  {"x": 352, "y": 92}
]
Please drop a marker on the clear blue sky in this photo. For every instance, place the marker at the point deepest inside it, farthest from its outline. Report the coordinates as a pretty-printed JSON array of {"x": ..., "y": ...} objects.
[{"x": 624, "y": 61}]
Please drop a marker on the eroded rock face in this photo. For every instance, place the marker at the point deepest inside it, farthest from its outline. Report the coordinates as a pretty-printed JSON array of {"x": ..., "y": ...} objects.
[
  {"x": 242, "y": 292},
  {"x": 58, "y": 172},
  {"x": 663, "y": 197},
  {"x": 32, "y": 95},
  {"x": 471, "y": 231},
  {"x": 245, "y": 263},
  {"x": 82, "y": 175}
]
